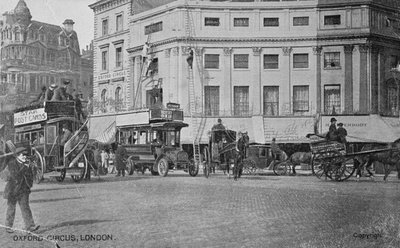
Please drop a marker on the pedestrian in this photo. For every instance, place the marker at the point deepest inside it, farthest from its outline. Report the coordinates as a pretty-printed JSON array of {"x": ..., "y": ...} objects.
[
  {"x": 60, "y": 94},
  {"x": 120, "y": 157},
  {"x": 104, "y": 162},
  {"x": 189, "y": 59},
  {"x": 275, "y": 150},
  {"x": 332, "y": 135},
  {"x": 50, "y": 92},
  {"x": 19, "y": 179},
  {"x": 41, "y": 97},
  {"x": 111, "y": 160},
  {"x": 341, "y": 133},
  {"x": 97, "y": 159}
]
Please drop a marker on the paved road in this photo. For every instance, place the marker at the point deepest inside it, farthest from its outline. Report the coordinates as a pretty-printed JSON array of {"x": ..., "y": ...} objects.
[{"x": 181, "y": 211}]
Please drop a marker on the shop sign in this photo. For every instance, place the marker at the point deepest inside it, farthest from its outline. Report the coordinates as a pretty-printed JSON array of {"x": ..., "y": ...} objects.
[
  {"x": 288, "y": 129},
  {"x": 29, "y": 116},
  {"x": 113, "y": 75}
]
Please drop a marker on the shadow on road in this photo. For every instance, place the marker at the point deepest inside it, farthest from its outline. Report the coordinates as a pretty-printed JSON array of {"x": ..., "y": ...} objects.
[
  {"x": 73, "y": 223},
  {"x": 54, "y": 200}
]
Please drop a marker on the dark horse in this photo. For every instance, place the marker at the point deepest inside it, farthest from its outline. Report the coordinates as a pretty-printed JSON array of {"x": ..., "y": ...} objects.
[
  {"x": 389, "y": 157},
  {"x": 234, "y": 154}
]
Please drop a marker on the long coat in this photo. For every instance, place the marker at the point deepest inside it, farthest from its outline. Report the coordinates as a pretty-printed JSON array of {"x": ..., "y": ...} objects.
[
  {"x": 19, "y": 180},
  {"x": 120, "y": 155}
]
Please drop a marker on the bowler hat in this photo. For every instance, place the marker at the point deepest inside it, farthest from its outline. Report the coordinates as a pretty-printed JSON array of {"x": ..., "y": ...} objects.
[
  {"x": 340, "y": 124},
  {"x": 333, "y": 119},
  {"x": 20, "y": 150}
]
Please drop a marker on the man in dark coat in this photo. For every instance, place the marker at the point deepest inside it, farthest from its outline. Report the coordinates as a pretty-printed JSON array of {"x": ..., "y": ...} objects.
[
  {"x": 341, "y": 133},
  {"x": 60, "y": 94},
  {"x": 120, "y": 156},
  {"x": 50, "y": 92},
  {"x": 78, "y": 107},
  {"x": 19, "y": 182},
  {"x": 189, "y": 59},
  {"x": 332, "y": 134}
]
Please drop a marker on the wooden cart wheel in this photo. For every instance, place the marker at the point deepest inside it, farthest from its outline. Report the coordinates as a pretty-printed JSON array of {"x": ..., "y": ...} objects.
[
  {"x": 342, "y": 168},
  {"x": 318, "y": 165},
  {"x": 193, "y": 168},
  {"x": 162, "y": 166},
  {"x": 62, "y": 176},
  {"x": 249, "y": 166},
  {"x": 331, "y": 165},
  {"x": 38, "y": 168},
  {"x": 281, "y": 168},
  {"x": 206, "y": 162}
]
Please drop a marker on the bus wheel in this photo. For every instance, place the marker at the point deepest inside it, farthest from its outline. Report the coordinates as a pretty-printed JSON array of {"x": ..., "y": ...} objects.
[{"x": 37, "y": 167}]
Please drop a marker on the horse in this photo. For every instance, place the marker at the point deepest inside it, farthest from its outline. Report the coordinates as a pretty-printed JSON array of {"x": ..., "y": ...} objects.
[
  {"x": 388, "y": 158},
  {"x": 234, "y": 153},
  {"x": 298, "y": 158}
]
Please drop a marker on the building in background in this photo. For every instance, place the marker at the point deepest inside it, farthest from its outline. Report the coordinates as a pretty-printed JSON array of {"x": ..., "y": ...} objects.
[
  {"x": 277, "y": 69},
  {"x": 36, "y": 54}
]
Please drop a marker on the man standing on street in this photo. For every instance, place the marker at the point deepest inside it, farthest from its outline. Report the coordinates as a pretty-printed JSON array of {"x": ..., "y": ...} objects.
[
  {"x": 19, "y": 182},
  {"x": 120, "y": 156}
]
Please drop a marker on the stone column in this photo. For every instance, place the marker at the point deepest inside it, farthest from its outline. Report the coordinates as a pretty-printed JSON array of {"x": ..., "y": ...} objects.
[
  {"x": 286, "y": 108},
  {"x": 317, "y": 52},
  {"x": 348, "y": 78},
  {"x": 256, "y": 90},
  {"x": 364, "y": 78},
  {"x": 167, "y": 95},
  {"x": 226, "y": 89},
  {"x": 174, "y": 72},
  {"x": 374, "y": 79},
  {"x": 198, "y": 78}
]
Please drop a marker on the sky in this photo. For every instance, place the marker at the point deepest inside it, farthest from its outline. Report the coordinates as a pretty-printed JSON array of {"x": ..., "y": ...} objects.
[{"x": 56, "y": 11}]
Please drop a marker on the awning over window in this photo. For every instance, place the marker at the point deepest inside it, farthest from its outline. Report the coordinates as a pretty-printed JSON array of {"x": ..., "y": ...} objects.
[{"x": 102, "y": 129}]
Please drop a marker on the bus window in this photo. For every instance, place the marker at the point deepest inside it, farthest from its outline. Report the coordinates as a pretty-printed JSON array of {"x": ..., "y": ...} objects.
[
  {"x": 51, "y": 134},
  {"x": 171, "y": 138},
  {"x": 142, "y": 138},
  {"x": 17, "y": 138}
]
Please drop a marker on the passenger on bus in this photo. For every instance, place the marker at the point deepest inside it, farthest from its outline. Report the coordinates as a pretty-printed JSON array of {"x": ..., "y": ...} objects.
[
  {"x": 60, "y": 94},
  {"x": 41, "y": 97},
  {"x": 78, "y": 107},
  {"x": 50, "y": 92}
]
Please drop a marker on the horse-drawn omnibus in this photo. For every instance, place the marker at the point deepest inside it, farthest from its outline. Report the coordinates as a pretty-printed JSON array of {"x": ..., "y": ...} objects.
[
  {"x": 40, "y": 126},
  {"x": 152, "y": 139}
]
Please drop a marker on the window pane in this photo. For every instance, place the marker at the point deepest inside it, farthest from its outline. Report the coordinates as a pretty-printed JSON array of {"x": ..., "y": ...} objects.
[
  {"x": 241, "y": 22},
  {"x": 332, "y": 59},
  {"x": 211, "y": 61},
  {"x": 211, "y": 100},
  {"x": 119, "y": 22},
  {"x": 332, "y": 99},
  {"x": 241, "y": 61},
  {"x": 118, "y": 57},
  {"x": 104, "y": 58},
  {"x": 300, "y": 98},
  {"x": 152, "y": 28},
  {"x": 300, "y": 60},
  {"x": 105, "y": 27},
  {"x": 301, "y": 21},
  {"x": 332, "y": 20},
  {"x": 271, "y": 100},
  {"x": 271, "y": 61},
  {"x": 241, "y": 100},
  {"x": 271, "y": 22},
  {"x": 210, "y": 21}
]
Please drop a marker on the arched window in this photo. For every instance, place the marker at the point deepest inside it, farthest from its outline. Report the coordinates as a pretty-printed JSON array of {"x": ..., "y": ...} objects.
[{"x": 103, "y": 100}]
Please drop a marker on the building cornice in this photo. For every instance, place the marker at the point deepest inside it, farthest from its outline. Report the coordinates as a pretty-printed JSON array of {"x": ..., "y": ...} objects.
[
  {"x": 106, "y": 4},
  {"x": 110, "y": 36}
]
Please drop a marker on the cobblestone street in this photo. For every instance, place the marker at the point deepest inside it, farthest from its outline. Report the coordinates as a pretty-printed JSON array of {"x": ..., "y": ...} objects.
[{"x": 181, "y": 211}]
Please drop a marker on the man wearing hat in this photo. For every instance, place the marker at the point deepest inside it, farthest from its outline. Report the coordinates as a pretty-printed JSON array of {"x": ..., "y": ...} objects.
[
  {"x": 17, "y": 190},
  {"x": 332, "y": 134},
  {"x": 341, "y": 133},
  {"x": 60, "y": 94},
  {"x": 218, "y": 126},
  {"x": 50, "y": 92}
]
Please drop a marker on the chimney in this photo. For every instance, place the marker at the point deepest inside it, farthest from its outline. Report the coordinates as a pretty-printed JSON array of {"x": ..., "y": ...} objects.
[{"x": 69, "y": 25}]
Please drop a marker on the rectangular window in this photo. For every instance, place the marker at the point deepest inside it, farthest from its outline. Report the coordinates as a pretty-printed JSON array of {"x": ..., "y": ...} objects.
[
  {"x": 211, "y": 100},
  {"x": 104, "y": 26},
  {"x": 300, "y": 99},
  {"x": 271, "y": 61},
  {"x": 211, "y": 61},
  {"x": 271, "y": 22},
  {"x": 118, "y": 57},
  {"x": 119, "y": 23},
  {"x": 241, "y": 100},
  {"x": 301, "y": 21},
  {"x": 240, "y": 22},
  {"x": 104, "y": 60},
  {"x": 241, "y": 61},
  {"x": 332, "y": 99},
  {"x": 211, "y": 21},
  {"x": 271, "y": 100},
  {"x": 332, "y": 20},
  {"x": 300, "y": 60},
  {"x": 331, "y": 59},
  {"x": 152, "y": 28}
]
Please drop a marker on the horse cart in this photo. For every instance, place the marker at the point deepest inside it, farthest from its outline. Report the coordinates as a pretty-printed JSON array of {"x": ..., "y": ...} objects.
[
  {"x": 258, "y": 157},
  {"x": 218, "y": 151},
  {"x": 40, "y": 127},
  {"x": 330, "y": 159}
]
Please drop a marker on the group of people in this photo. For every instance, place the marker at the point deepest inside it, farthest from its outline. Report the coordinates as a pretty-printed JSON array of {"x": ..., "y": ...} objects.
[
  {"x": 338, "y": 133},
  {"x": 55, "y": 93},
  {"x": 110, "y": 160}
]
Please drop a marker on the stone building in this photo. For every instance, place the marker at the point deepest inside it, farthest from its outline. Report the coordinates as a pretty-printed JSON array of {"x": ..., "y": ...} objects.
[
  {"x": 277, "y": 69},
  {"x": 36, "y": 54}
]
